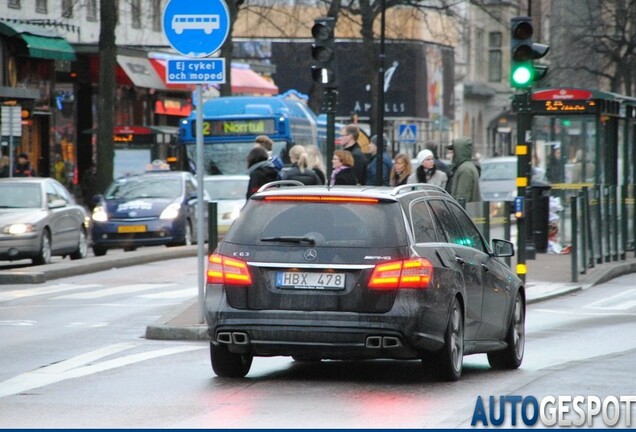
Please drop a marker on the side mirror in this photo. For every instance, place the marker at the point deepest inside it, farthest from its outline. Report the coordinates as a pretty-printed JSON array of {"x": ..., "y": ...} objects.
[
  {"x": 58, "y": 203},
  {"x": 503, "y": 248}
]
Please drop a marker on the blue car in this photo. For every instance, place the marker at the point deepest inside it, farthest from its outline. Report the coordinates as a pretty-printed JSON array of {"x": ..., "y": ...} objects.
[{"x": 156, "y": 208}]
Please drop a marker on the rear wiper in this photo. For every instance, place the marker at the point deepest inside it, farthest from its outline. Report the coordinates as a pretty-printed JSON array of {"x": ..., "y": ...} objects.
[{"x": 290, "y": 239}]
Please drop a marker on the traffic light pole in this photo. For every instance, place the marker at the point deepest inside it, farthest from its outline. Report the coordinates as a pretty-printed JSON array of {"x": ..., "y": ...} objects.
[
  {"x": 521, "y": 105},
  {"x": 330, "y": 103}
]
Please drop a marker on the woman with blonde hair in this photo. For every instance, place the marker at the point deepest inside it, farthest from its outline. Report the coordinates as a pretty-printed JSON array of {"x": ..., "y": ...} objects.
[
  {"x": 316, "y": 162},
  {"x": 299, "y": 169},
  {"x": 401, "y": 170}
]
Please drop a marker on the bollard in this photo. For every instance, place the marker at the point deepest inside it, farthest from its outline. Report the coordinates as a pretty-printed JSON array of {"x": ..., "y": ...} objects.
[
  {"x": 574, "y": 237},
  {"x": 213, "y": 229}
]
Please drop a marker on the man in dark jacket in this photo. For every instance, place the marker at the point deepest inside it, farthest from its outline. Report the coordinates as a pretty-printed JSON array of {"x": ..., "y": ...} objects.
[
  {"x": 260, "y": 169},
  {"x": 372, "y": 165},
  {"x": 464, "y": 182},
  {"x": 349, "y": 141},
  {"x": 23, "y": 167}
]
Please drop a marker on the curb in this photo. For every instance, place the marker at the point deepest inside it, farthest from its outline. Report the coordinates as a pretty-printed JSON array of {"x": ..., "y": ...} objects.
[
  {"x": 160, "y": 330},
  {"x": 93, "y": 264}
]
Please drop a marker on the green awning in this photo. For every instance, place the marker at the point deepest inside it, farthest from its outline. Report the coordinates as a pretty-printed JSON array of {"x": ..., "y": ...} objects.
[
  {"x": 40, "y": 42},
  {"x": 48, "y": 48}
]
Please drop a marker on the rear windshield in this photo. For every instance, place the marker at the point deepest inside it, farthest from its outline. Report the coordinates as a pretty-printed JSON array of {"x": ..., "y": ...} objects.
[{"x": 329, "y": 224}]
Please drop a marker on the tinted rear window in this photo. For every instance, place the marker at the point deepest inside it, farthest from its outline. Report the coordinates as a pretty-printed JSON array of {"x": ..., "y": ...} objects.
[{"x": 349, "y": 225}]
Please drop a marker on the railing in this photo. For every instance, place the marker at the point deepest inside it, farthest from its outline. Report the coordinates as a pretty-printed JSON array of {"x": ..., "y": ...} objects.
[{"x": 595, "y": 226}]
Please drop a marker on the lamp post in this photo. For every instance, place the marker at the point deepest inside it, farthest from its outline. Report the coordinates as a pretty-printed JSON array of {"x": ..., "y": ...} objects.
[{"x": 379, "y": 177}]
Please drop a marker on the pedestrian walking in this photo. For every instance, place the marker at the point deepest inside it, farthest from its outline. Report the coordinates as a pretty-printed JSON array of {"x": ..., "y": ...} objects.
[
  {"x": 372, "y": 165},
  {"x": 349, "y": 136},
  {"x": 464, "y": 181},
  {"x": 4, "y": 166},
  {"x": 427, "y": 172},
  {"x": 299, "y": 170},
  {"x": 440, "y": 165},
  {"x": 265, "y": 142},
  {"x": 23, "y": 167},
  {"x": 316, "y": 162},
  {"x": 343, "y": 174},
  {"x": 260, "y": 169},
  {"x": 401, "y": 170}
]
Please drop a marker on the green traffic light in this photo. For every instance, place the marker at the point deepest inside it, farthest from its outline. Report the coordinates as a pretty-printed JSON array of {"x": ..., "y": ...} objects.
[{"x": 522, "y": 76}]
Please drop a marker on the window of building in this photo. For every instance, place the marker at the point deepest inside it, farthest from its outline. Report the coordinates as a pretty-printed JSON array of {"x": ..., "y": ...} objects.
[
  {"x": 136, "y": 13},
  {"x": 67, "y": 8},
  {"x": 15, "y": 4},
  {"x": 41, "y": 6},
  {"x": 480, "y": 61},
  {"x": 156, "y": 15},
  {"x": 91, "y": 10},
  {"x": 494, "y": 57}
]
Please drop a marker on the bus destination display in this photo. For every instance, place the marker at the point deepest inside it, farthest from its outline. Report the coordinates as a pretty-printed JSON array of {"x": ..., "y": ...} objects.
[
  {"x": 569, "y": 106},
  {"x": 238, "y": 127}
]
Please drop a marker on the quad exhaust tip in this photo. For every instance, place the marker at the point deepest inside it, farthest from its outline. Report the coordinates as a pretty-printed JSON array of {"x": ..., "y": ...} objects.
[{"x": 377, "y": 342}]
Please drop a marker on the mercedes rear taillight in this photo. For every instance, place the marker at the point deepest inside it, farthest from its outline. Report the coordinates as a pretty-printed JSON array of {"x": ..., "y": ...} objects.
[
  {"x": 412, "y": 273},
  {"x": 227, "y": 271}
]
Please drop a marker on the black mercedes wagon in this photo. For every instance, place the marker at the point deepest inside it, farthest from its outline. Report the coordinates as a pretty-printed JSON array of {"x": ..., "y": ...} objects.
[{"x": 318, "y": 272}]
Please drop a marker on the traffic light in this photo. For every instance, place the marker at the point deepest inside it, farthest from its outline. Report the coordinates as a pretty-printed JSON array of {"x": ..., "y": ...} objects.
[
  {"x": 523, "y": 52},
  {"x": 323, "y": 52}
]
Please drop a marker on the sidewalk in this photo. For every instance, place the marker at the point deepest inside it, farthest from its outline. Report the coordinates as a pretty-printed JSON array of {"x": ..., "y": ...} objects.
[{"x": 548, "y": 276}]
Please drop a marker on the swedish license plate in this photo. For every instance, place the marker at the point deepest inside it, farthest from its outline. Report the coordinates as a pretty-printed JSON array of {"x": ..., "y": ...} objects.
[
  {"x": 124, "y": 229},
  {"x": 310, "y": 280}
]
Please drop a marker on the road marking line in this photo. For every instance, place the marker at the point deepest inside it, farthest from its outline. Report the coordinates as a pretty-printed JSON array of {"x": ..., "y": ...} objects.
[
  {"x": 125, "y": 289},
  {"x": 78, "y": 366},
  {"x": 182, "y": 293}
]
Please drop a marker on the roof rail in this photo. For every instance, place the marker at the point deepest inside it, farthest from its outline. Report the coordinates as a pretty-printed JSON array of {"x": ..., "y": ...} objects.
[
  {"x": 418, "y": 186},
  {"x": 279, "y": 183}
]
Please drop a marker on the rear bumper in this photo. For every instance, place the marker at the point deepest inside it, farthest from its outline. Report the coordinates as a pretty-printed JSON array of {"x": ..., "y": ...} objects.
[{"x": 323, "y": 334}]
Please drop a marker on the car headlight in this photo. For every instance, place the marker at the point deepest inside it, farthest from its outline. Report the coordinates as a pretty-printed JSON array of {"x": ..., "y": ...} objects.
[
  {"x": 99, "y": 214},
  {"x": 19, "y": 228},
  {"x": 171, "y": 212}
]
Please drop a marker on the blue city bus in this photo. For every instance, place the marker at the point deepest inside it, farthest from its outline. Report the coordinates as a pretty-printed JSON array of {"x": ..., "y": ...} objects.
[{"x": 230, "y": 125}]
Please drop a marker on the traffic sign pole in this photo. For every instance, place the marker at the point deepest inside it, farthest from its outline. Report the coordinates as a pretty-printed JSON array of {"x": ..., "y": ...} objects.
[
  {"x": 200, "y": 202},
  {"x": 197, "y": 29}
]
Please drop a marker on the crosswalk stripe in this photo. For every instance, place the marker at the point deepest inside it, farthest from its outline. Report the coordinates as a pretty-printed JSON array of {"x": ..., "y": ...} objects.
[
  {"x": 83, "y": 365},
  {"x": 32, "y": 292},
  {"x": 125, "y": 289},
  {"x": 623, "y": 301}
]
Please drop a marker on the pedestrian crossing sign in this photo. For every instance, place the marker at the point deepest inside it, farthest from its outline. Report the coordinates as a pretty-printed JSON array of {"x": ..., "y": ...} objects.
[{"x": 408, "y": 133}]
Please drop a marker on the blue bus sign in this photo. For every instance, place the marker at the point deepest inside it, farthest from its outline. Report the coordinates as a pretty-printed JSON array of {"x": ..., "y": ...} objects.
[
  {"x": 196, "y": 71},
  {"x": 196, "y": 28}
]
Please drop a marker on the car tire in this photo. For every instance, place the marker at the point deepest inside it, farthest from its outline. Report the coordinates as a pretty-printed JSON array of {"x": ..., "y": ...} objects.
[
  {"x": 512, "y": 356},
  {"x": 82, "y": 246},
  {"x": 226, "y": 364},
  {"x": 448, "y": 362},
  {"x": 44, "y": 255},
  {"x": 187, "y": 240},
  {"x": 99, "y": 251}
]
